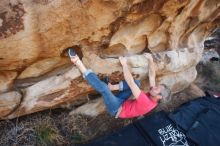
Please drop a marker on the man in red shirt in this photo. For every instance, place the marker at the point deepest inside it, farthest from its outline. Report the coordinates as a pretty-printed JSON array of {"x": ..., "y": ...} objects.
[{"x": 120, "y": 105}]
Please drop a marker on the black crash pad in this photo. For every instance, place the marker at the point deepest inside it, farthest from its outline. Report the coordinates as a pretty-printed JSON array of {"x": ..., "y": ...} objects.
[
  {"x": 127, "y": 136},
  {"x": 162, "y": 131}
]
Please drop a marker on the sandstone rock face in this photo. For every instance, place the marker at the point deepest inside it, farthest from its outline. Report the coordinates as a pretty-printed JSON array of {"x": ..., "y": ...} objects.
[
  {"x": 93, "y": 108},
  {"x": 6, "y": 80},
  {"x": 35, "y": 33},
  {"x": 41, "y": 67},
  {"x": 8, "y": 102}
]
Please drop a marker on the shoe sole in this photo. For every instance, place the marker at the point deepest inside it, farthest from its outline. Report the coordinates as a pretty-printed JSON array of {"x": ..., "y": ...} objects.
[{"x": 71, "y": 53}]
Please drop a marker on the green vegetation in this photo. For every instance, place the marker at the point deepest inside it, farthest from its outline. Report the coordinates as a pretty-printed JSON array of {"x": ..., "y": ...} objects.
[
  {"x": 48, "y": 135},
  {"x": 77, "y": 138}
]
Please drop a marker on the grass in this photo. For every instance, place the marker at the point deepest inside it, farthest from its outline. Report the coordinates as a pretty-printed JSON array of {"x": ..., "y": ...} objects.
[
  {"x": 48, "y": 135},
  {"x": 56, "y": 128},
  {"x": 76, "y": 138}
]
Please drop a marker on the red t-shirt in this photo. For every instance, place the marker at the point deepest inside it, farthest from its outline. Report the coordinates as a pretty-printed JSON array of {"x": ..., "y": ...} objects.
[{"x": 140, "y": 106}]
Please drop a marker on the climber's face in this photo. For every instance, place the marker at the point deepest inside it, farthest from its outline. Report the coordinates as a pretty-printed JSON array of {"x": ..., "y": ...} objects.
[{"x": 156, "y": 90}]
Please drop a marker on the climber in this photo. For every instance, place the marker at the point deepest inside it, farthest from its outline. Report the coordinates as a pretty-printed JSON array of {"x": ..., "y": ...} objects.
[{"x": 120, "y": 105}]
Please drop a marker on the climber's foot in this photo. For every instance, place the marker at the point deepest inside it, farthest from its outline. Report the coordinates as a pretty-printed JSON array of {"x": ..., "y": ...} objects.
[
  {"x": 73, "y": 56},
  {"x": 71, "y": 53}
]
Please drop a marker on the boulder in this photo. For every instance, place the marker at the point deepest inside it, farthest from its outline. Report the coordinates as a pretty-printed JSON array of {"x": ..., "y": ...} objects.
[
  {"x": 92, "y": 109},
  {"x": 34, "y": 36},
  {"x": 6, "y": 80},
  {"x": 42, "y": 66},
  {"x": 9, "y": 102}
]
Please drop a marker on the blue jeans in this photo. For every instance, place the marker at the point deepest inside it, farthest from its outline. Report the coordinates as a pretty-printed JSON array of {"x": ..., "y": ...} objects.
[{"x": 112, "y": 102}]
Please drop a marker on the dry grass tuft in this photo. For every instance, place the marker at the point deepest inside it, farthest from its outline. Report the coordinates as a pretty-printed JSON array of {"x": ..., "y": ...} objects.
[
  {"x": 56, "y": 128},
  {"x": 47, "y": 133}
]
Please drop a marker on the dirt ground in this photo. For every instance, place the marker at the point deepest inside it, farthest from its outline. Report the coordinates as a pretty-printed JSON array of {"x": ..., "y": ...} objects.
[{"x": 57, "y": 127}]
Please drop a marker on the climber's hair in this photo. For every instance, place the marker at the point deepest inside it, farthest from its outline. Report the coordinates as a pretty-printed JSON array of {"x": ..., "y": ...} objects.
[{"x": 165, "y": 93}]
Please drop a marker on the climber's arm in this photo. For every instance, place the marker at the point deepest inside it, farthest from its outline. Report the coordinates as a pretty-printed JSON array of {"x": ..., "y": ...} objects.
[
  {"x": 129, "y": 79},
  {"x": 151, "y": 69}
]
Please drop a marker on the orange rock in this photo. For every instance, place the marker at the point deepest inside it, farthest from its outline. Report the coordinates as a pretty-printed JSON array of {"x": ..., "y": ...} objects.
[{"x": 35, "y": 34}]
